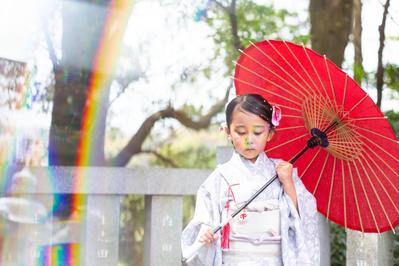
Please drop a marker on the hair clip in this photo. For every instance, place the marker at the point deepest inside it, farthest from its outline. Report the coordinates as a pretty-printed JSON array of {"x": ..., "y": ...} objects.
[{"x": 276, "y": 115}]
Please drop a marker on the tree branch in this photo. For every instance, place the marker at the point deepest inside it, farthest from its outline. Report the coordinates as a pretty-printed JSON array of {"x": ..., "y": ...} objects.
[
  {"x": 162, "y": 158},
  {"x": 234, "y": 26},
  {"x": 135, "y": 144},
  {"x": 357, "y": 41},
  {"x": 232, "y": 13},
  {"x": 226, "y": 9},
  {"x": 380, "y": 68}
]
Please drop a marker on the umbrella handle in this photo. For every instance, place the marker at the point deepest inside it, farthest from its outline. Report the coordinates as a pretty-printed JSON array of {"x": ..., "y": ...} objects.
[{"x": 192, "y": 252}]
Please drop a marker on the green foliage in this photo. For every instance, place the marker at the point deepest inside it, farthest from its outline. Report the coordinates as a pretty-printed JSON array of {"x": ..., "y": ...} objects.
[
  {"x": 338, "y": 245},
  {"x": 392, "y": 76},
  {"x": 188, "y": 157},
  {"x": 393, "y": 118},
  {"x": 359, "y": 74},
  {"x": 132, "y": 231},
  {"x": 396, "y": 249},
  {"x": 255, "y": 22}
]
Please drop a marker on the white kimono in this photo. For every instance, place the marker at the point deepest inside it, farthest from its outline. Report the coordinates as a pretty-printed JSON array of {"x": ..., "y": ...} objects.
[{"x": 299, "y": 231}]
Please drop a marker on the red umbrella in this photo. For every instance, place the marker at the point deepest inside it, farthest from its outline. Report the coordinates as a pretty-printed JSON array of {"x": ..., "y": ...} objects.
[{"x": 354, "y": 174}]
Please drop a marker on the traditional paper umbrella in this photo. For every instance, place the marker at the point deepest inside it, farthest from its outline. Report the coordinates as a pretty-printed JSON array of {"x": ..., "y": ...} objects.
[
  {"x": 354, "y": 172},
  {"x": 345, "y": 150}
]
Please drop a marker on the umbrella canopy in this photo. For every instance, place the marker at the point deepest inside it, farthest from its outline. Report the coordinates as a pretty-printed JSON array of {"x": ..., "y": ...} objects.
[{"x": 355, "y": 174}]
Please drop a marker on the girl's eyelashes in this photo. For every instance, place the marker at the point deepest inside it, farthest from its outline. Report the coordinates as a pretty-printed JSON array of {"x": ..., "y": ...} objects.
[
  {"x": 241, "y": 133},
  {"x": 257, "y": 133}
]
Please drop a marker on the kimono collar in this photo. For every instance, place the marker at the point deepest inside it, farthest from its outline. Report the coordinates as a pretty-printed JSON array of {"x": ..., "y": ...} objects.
[{"x": 263, "y": 166}]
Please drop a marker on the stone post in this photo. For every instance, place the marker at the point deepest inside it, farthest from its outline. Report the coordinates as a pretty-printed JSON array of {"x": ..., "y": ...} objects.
[
  {"x": 163, "y": 226},
  {"x": 102, "y": 230},
  {"x": 369, "y": 249}
]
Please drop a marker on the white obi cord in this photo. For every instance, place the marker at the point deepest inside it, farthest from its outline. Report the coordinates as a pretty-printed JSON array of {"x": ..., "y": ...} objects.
[{"x": 255, "y": 234}]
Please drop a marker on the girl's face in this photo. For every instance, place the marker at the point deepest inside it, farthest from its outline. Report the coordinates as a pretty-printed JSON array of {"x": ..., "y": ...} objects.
[{"x": 249, "y": 133}]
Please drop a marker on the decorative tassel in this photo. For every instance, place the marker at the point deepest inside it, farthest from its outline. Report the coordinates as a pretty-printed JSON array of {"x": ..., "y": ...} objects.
[{"x": 225, "y": 242}]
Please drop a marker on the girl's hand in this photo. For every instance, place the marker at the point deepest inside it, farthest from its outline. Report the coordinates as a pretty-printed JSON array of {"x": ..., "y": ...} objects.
[
  {"x": 284, "y": 172},
  {"x": 208, "y": 237}
]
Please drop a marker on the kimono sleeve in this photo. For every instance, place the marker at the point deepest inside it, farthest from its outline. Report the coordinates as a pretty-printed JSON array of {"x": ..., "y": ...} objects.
[
  {"x": 302, "y": 225},
  {"x": 206, "y": 216}
]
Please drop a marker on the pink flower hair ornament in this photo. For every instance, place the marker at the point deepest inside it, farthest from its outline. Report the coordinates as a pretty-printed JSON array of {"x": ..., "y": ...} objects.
[{"x": 276, "y": 115}]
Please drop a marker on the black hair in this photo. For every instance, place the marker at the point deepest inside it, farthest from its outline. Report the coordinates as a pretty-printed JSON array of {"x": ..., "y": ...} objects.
[{"x": 252, "y": 103}]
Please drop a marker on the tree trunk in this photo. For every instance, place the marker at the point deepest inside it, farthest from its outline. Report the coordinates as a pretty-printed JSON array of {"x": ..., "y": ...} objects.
[
  {"x": 331, "y": 24},
  {"x": 380, "y": 67},
  {"x": 82, "y": 28}
]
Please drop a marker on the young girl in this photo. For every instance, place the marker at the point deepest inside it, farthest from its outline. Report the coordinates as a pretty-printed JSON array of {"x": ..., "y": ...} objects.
[{"x": 280, "y": 226}]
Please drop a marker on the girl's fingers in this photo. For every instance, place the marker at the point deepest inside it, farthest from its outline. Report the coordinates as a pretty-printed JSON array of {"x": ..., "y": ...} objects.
[{"x": 208, "y": 237}]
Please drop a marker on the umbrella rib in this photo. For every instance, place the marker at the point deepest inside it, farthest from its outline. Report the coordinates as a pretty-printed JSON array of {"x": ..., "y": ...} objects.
[
  {"x": 267, "y": 80},
  {"x": 375, "y": 133},
  {"x": 331, "y": 83},
  {"x": 292, "y": 116},
  {"x": 387, "y": 165},
  {"x": 311, "y": 110},
  {"x": 268, "y": 91},
  {"x": 356, "y": 105},
  {"x": 382, "y": 186},
  {"x": 309, "y": 164},
  {"x": 331, "y": 188},
  {"x": 271, "y": 71},
  {"x": 322, "y": 106},
  {"x": 356, "y": 202},
  {"x": 366, "y": 195},
  {"x": 315, "y": 71},
  {"x": 292, "y": 68},
  {"x": 375, "y": 192},
  {"x": 367, "y": 118},
  {"x": 286, "y": 107},
  {"x": 310, "y": 113},
  {"x": 345, "y": 87},
  {"x": 287, "y": 142},
  {"x": 287, "y": 128},
  {"x": 303, "y": 68},
  {"x": 321, "y": 173},
  {"x": 344, "y": 191}
]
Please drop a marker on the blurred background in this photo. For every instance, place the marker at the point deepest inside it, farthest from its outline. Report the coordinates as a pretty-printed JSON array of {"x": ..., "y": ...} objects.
[{"x": 144, "y": 83}]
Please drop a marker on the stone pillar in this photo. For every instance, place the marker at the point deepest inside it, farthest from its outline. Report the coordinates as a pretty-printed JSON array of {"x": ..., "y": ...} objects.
[
  {"x": 102, "y": 230},
  {"x": 324, "y": 238},
  {"x": 163, "y": 227},
  {"x": 369, "y": 249}
]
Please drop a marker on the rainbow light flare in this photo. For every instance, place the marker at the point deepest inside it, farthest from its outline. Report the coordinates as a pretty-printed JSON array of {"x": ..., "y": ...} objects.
[
  {"x": 104, "y": 65},
  {"x": 105, "y": 62},
  {"x": 59, "y": 255},
  {"x": 7, "y": 154}
]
